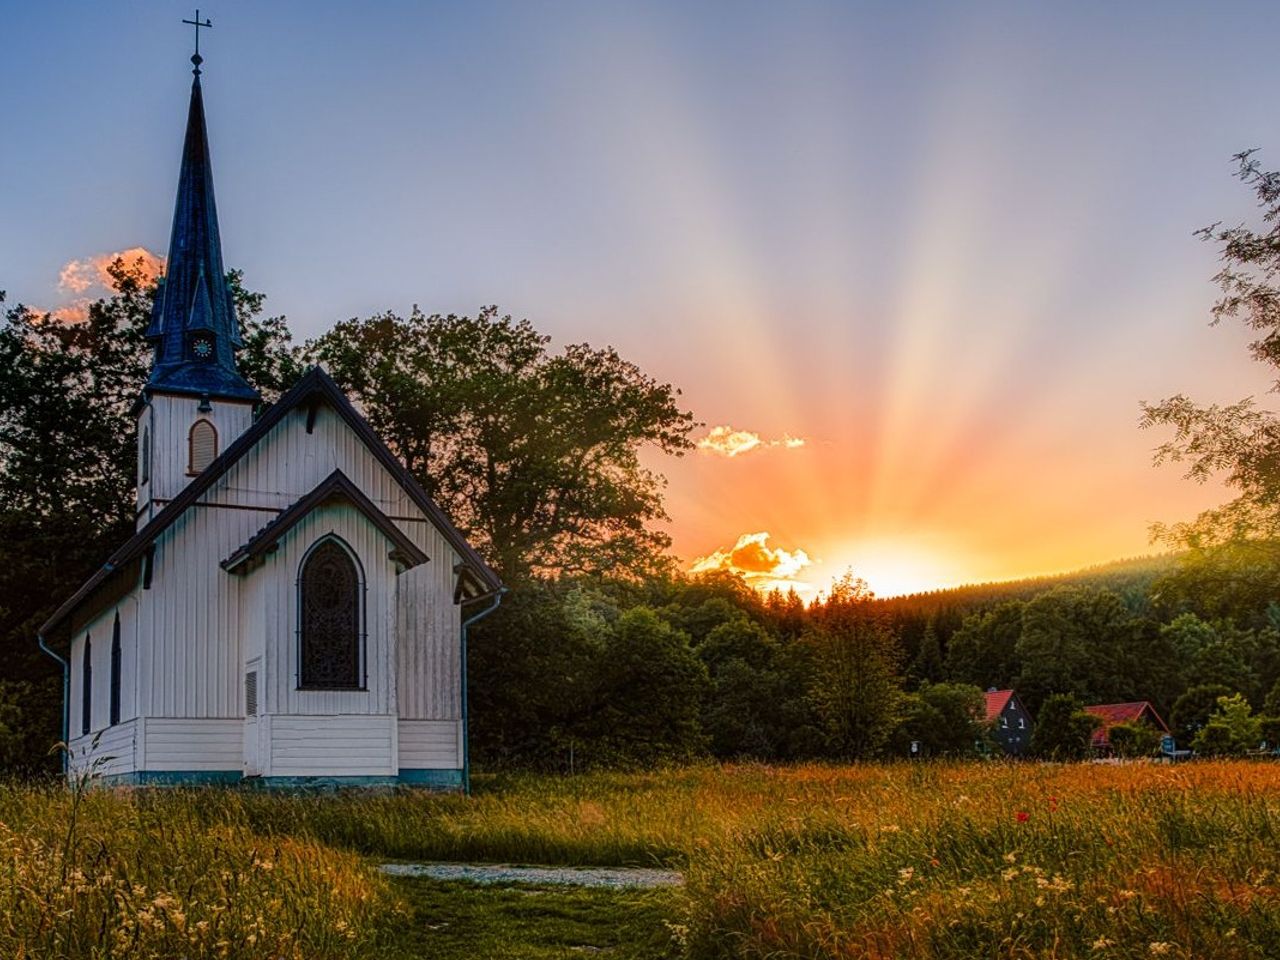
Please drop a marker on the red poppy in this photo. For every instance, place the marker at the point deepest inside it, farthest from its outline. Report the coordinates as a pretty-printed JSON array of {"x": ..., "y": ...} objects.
[
  {"x": 1022, "y": 816},
  {"x": 1053, "y": 803}
]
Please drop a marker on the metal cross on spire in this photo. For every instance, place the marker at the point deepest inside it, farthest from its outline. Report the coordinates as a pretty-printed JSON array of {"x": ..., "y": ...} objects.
[{"x": 196, "y": 58}]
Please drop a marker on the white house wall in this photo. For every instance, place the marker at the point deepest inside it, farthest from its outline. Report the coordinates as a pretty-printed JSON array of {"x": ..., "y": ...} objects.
[{"x": 99, "y": 631}]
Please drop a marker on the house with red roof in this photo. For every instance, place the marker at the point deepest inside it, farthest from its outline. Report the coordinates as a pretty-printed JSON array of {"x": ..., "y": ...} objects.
[
  {"x": 1111, "y": 714},
  {"x": 1009, "y": 720}
]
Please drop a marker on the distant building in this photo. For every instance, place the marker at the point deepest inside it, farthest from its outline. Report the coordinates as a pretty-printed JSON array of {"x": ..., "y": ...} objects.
[
  {"x": 1140, "y": 711},
  {"x": 1009, "y": 721}
]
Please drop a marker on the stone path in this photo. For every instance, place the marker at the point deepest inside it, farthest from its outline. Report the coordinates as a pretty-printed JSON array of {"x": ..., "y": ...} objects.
[{"x": 493, "y": 873}]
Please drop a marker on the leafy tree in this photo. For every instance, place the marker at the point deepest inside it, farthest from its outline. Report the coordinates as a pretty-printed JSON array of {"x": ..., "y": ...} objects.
[
  {"x": 1067, "y": 643},
  {"x": 1192, "y": 710},
  {"x": 947, "y": 719},
  {"x": 1233, "y": 551},
  {"x": 856, "y": 687},
  {"x": 536, "y": 455},
  {"x": 1231, "y": 731},
  {"x": 1063, "y": 730},
  {"x": 984, "y": 650},
  {"x": 651, "y": 692},
  {"x": 1134, "y": 739}
]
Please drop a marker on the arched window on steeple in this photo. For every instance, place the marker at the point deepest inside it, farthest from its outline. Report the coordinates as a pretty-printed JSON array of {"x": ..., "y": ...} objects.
[
  {"x": 86, "y": 687},
  {"x": 202, "y": 446}
]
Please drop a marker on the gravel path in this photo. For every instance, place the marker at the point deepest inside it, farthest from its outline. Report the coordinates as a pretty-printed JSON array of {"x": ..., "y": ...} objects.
[{"x": 617, "y": 877}]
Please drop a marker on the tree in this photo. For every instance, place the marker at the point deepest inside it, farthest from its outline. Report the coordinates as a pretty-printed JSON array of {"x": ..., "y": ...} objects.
[
  {"x": 534, "y": 454},
  {"x": 1063, "y": 730},
  {"x": 984, "y": 650},
  {"x": 1068, "y": 642},
  {"x": 1192, "y": 710},
  {"x": 1234, "y": 549},
  {"x": 945, "y": 719},
  {"x": 1231, "y": 731},
  {"x": 856, "y": 687},
  {"x": 927, "y": 666},
  {"x": 1134, "y": 739}
]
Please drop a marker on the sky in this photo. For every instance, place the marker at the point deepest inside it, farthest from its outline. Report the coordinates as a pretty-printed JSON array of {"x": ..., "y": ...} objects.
[{"x": 913, "y": 266}]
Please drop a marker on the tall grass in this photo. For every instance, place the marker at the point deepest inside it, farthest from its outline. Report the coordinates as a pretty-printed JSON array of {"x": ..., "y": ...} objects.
[
  {"x": 107, "y": 873},
  {"x": 906, "y": 861}
]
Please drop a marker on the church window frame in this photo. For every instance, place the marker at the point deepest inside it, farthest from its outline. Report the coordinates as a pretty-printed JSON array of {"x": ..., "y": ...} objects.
[
  {"x": 199, "y": 458},
  {"x": 311, "y": 666},
  {"x": 86, "y": 687},
  {"x": 117, "y": 657}
]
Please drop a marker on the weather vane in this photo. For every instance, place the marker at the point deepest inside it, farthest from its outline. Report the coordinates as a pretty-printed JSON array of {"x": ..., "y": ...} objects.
[{"x": 196, "y": 58}]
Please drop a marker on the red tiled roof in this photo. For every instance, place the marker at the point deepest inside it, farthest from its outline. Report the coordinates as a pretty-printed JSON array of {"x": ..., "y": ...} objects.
[
  {"x": 1112, "y": 713},
  {"x": 997, "y": 700}
]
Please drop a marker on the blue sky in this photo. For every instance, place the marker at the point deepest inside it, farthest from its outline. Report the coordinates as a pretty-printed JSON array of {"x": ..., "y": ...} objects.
[{"x": 948, "y": 245}]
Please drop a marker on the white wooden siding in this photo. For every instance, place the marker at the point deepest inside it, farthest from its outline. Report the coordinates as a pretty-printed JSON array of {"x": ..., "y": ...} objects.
[
  {"x": 172, "y": 743},
  {"x": 428, "y": 651},
  {"x": 115, "y": 751},
  {"x": 430, "y": 744},
  {"x": 333, "y": 746}
]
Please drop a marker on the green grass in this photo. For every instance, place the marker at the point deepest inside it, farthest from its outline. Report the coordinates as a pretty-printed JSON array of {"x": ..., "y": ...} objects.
[{"x": 467, "y": 921}]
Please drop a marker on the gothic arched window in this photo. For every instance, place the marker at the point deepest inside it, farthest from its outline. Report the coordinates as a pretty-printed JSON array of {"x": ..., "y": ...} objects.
[
  {"x": 329, "y": 600},
  {"x": 86, "y": 687},
  {"x": 202, "y": 446}
]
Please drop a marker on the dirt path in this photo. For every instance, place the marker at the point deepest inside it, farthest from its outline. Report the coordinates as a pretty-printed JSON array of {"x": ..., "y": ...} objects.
[{"x": 503, "y": 873}]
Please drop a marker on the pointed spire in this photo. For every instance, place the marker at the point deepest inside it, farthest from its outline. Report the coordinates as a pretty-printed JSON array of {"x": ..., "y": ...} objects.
[{"x": 194, "y": 328}]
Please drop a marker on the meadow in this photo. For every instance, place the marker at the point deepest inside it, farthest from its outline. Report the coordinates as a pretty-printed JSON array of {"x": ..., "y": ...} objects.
[{"x": 868, "y": 861}]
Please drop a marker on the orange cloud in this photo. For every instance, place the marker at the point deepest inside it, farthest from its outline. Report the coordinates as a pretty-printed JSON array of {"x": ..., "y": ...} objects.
[
  {"x": 78, "y": 276},
  {"x": 728, "y": 442},
  {"x": 762, "y": 566}
]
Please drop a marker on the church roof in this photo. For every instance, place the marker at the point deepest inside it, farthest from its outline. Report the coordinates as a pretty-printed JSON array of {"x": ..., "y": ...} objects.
[
  {"x": 193, "y": 297},
  {"x": 335, "y": 487},
  {"x": 315, "y": 386}
]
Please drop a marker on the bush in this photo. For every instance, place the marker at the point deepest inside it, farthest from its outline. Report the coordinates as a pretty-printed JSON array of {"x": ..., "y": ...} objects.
[{"x": 1134, "y": 739}]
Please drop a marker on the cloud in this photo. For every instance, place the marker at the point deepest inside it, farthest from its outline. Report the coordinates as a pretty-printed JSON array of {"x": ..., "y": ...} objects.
[
  {"x": 90, "y": 278},
  {"x": 79, "y": 276},
  {"x": 728, "y": 442},
  {"x": 762, "y": 566}
]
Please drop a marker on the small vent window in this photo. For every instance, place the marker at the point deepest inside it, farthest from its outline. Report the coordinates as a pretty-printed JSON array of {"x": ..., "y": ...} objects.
[
  {"x": 251, "y": 693},
  {"x": 203, "y": 444}
]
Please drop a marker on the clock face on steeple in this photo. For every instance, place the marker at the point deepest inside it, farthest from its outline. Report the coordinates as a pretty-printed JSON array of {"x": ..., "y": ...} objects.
[{"x": 202, "y": 347}]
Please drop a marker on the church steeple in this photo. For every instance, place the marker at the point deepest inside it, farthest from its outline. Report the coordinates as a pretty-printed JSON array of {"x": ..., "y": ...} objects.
[{"x": 194, "y": 329}]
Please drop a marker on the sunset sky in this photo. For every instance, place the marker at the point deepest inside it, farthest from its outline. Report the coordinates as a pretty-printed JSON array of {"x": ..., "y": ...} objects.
[{"x": 913, "y": 265}]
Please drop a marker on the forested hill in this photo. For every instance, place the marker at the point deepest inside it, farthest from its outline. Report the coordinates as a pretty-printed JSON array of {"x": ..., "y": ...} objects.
[{"x": 947, "y": 608}]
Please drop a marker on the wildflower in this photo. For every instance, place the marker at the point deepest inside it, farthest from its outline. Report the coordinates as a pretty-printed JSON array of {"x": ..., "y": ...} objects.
[
  {"x": 1053, "y": 804},
  {"x": 1102, "y": 943},
  {"x": 1158, "y": 948},
  {"x": 1022, "y": 816},
  {"x": 1008, "y": 875},
  {"x": 1011, "y": 857}
]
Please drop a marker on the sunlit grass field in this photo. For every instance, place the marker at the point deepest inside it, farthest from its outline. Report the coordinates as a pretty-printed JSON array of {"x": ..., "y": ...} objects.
[{"x": 926, "y": 860}]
